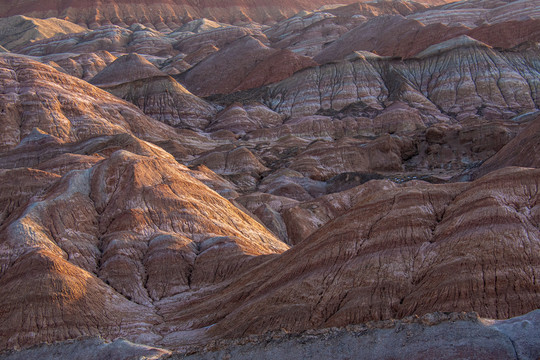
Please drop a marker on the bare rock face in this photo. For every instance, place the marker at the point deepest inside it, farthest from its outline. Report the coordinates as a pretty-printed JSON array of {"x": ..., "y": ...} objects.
[
  {"x": 18, "y": 31},
  {"x": 306, "y": 33},
  {"x": 199, "y": 26},
  {"x": 305, "y": 218},
  {"x": 74, "y": 300},
  {"x": 473, "y": 14},
  {"x": 309, "y": 33},
  {"x": 42, "y": 151},
  {"x": 126, "y": 69},
  {"x": 508, "y": 34},
  {"x": 442, "y": 89},
  {"x": 121, "y": 247},
  {"x": 435, "y": 334},
  {"x": 241, "y": 119},
  {"x": 108, "y": 38},
  {"x": 319, "y": 161},
  {"x": 163, "y": 14},
  {"x": 503, "y": 26},
  {"x": 136, "y": 38},
  {"x": 376, "y": 36},
  {"x": 431, "y": 246},
  {"x": 89, "y": 348},
  {"x": 518, "y": 152},
  {"x": 167, "y": 101},
  {"x": 444, "y": 336},
  {"x": 83, "y": 66},
  {"x": 395, "y": 177},
  {"x": 16, "y": 194},
  {"x": 267, "y": 208},
  {"x": 199, "y": 55},
  {"x": 239, "y": 164},
  {"x": 192, "y": 42},
  {"x": 66, "y": 108},
  {"x": 135, "y": 79},
  {"x": 247, "y": 63}
]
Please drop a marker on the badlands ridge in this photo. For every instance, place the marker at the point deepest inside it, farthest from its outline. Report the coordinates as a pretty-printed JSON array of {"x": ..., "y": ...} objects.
[{"x": 196, "y": 179}]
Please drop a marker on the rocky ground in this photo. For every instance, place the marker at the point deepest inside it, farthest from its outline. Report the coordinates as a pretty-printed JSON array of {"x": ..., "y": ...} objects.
[
  {"x": 180, "y": 181},
  {"x": 437, "y": 335}
]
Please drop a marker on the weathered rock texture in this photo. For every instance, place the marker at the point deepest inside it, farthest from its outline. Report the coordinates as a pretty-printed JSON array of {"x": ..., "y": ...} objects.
[
  {"x": 459, "y": 78},
  {"x": 117, "y": 246},
  {"x": 112, "y": 38},
  {"x": 397, "y": 176},
  {"x": 91, "y": 348},
  {"x": 410, "y": 249},
  {"x": 444, "y": 336},
  {"x": 36, "y": 98},
  {"x": 520, "y": 151},
  {"x": 165, "y": 14},
  {"x": 245, "y": 64},
  {"x": 136, "y": 80},
  {"x": 84, "y": 66},
  {"x": 17, "y": 31}
]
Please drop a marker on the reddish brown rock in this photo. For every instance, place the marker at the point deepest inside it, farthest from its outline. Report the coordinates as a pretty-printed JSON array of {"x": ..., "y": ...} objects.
[
  {"x": 126, "y": 69},
  {"x": 304, "y": 219},
  {"x": 307, "y": 33},
  {"x": 66, "y": 300},
  {"x": 246, "y": 63},
  {"x": 241, "y": 119},
  {"x": 217, "y": 183},
  {"x": 268, "y": 208},
  {"x": 104, "y": 233},
  {"x": 508, "y": 34},
  {"x": 199, "y": 55},
  {"x": 107, "y": 38},
  {"x": 158, "y": 13},
  {"x": 42, "y": 151},
  {"x": 17, "y": 193},
  {"x": 520, "y": 151},
  {"x": 217, "y": 38},
  {"x": 175, "y": 65},
  {"x": 476, "y": 13},
  {"x": 133, "y": 78},
  {"x": 146, "y": 40},
  {"x": 384, "y": 7},
  {"x": 230, "y": 162},
  {"x": 324, "y": 159},
  {"x": 69, "y": 109},
  {"x": 389, "y": 253},
  {"x": 18, "y": 31},
  {"x": 83, "y": 66},
  {"x": 118, "y": 244},
  {"x": 292, "y": 184},
  {"x": 440, "y": 91},
  {"x": 376, "y": 36}
]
